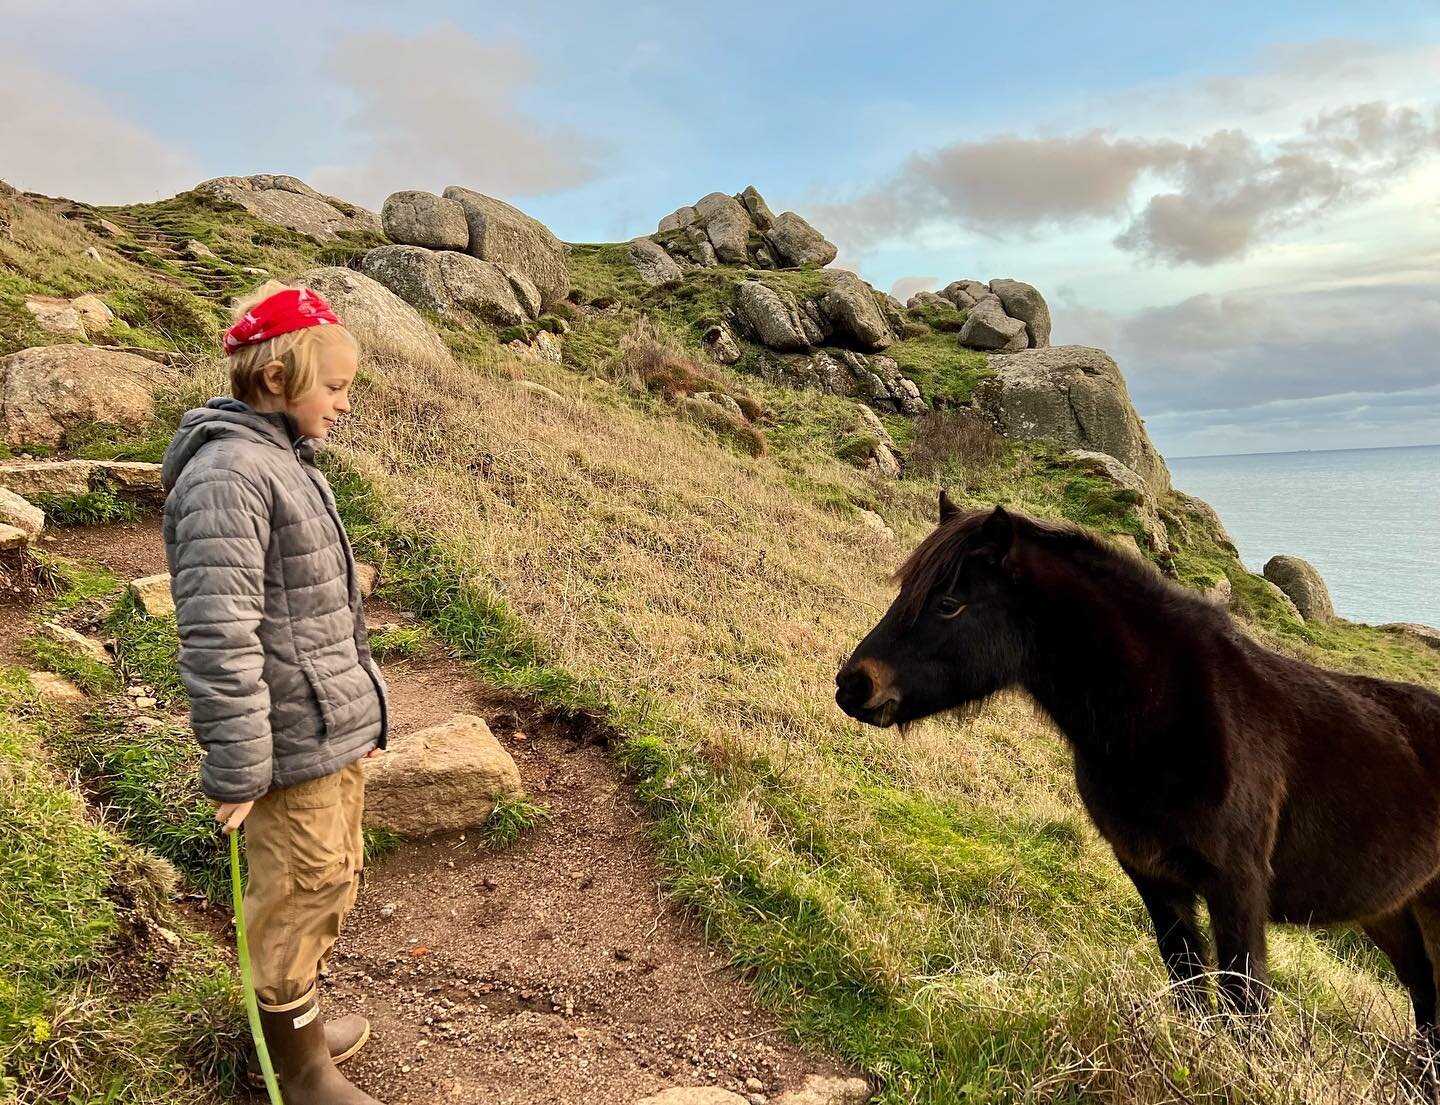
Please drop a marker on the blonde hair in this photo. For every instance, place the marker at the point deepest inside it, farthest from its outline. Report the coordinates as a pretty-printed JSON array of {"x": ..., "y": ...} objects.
[{"x": 298, "y": 352}]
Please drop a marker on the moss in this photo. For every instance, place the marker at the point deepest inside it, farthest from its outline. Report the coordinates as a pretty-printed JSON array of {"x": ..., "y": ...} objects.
[{"x": 944, "y": 371}]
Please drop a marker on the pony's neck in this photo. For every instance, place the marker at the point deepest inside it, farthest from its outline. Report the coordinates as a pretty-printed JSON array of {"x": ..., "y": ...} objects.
[{"x": 1094, "y": 663}]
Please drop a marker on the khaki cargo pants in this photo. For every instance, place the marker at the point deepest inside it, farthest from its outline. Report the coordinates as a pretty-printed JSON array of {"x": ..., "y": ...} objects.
[{"x": 305, "y": 852}]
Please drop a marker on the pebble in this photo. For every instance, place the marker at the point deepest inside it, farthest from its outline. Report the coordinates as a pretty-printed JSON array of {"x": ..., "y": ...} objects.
[{"x": 753, "y": 1084}]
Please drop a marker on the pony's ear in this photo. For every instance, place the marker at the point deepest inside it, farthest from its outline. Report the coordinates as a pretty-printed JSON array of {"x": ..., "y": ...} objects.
[
  {"x": 997, "y": 533},
  {"x": 948, "y": 509}
]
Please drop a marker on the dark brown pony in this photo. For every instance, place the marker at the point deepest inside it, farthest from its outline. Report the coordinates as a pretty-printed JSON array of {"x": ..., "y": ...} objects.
[{"x": 1274, "y": 789}]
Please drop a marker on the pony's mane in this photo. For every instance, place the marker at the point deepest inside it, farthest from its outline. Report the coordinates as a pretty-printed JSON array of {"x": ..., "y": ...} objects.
[{"x": 936, "y": 561}]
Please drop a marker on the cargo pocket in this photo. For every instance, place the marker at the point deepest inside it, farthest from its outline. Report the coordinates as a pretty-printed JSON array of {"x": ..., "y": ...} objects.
[
  {"x": 318, "y": 848},
  {"x": 322, "y": 699}
]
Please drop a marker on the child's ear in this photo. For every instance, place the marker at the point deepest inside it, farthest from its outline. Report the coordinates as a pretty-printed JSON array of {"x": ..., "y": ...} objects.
[{"x": 272, "y": 378}]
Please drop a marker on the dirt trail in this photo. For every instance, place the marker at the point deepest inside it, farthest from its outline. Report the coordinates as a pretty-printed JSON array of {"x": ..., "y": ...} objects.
[{"x": 552, "y": 972}]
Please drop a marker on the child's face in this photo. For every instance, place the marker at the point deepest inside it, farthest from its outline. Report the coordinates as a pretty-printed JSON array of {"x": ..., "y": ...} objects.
[{"x": 317, "y": 411}]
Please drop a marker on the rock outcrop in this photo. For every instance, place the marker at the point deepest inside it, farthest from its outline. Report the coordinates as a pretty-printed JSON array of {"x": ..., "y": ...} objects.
[
  {"x": 1074, "y": 396},
  {"x": 414, "y": 218},
  {"x": 1302, "y": 583},
  {"x": 770, "y": 316},
  {"x": 873, "y": 380},
  {"x": 290, "y": 202},
  {"x": 1127, "y": 480},
  {"x": 656, "y": 267},
  {"x": 987, "y": 326},
  {"x": 795, "y": 242},
  {"x": 740, "y": 230},
  {"x": 455, "y": 286},
  {"x": 1022, "y": 301},
  {"x": 48, "y": 391},
  {"x": 506, "y": 235},
  {"x": 383, "y": 323},
  {"x": 851, "y": 306}
]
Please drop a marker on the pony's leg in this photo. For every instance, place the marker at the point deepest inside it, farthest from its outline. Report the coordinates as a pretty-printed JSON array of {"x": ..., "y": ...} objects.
[
  {"x": 1399, "y": 936},
  {"x": 1182, "y": 947},
  {"x": 1237, "y": 921},
  {"x": 1421, "y": 919}
]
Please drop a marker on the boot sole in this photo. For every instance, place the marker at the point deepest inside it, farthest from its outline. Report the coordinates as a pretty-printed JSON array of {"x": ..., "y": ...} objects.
[{"x": 256, "y": 1079}]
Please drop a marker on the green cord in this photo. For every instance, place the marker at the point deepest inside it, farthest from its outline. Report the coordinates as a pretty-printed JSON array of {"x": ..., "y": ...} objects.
[{"x": 247, "y": 980}]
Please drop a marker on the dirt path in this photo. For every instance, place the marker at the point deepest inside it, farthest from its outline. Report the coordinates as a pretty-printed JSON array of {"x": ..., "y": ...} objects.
[{"x": 553, "y": 972}]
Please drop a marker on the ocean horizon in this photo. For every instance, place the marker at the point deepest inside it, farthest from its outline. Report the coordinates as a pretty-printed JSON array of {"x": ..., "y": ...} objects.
[{"x": 1368, "y": 519}]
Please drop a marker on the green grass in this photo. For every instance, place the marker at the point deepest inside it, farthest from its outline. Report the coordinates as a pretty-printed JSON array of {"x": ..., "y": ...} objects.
[
  {"x": 105, "y": 441},
  {"x": 89, "y": 675},
  {"x": 99, "y": 507},
  {"x": 146, "y": 649},
  {"x": 945, "y": 373},
  {"x": 510, "y": 819},
  {"x": 75, "y": 902},
  {"x": 399, "y": 642}
]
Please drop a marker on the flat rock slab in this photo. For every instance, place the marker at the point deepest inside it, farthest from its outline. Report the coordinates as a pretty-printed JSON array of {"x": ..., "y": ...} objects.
[
  {"x": 442, "y": 779},
  {"x": 131, "y": 478}
]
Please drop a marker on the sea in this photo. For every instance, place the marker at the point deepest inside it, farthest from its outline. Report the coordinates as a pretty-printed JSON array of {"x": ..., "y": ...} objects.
[{"x": 1367, "y": 519}]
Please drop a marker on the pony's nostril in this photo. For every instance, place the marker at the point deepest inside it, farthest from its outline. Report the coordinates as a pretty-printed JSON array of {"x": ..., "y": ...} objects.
[{"x": 853, "y": 687}]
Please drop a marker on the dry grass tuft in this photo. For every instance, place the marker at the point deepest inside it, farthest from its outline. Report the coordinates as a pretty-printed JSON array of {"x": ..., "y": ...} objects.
[
  {"x": 960, "y": 445},
  {"x": 652, "y": 360}
]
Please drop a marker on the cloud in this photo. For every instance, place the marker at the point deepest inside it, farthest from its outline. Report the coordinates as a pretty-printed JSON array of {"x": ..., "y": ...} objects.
[
  {"x": 1005, "y": 183},
  {"x": 61, "y": 138},
  {"x": 1233, "y": 192},
  {"x": 1227, "y": 191},
  {"x": 1229, "y": 354},
  {"x": 444, "y": 107},
  {"x": 907, "y": 286}
]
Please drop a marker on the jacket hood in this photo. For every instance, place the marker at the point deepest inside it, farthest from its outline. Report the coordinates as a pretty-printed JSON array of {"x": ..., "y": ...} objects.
[{"x": 224, "y": 418}]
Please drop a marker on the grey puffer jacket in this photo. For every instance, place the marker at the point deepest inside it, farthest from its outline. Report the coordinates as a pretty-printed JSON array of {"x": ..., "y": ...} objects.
[{"x": 273, "y": 648}]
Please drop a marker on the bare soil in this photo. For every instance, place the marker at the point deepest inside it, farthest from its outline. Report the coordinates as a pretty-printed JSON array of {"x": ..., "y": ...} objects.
[{"x": 556, "y": 971}]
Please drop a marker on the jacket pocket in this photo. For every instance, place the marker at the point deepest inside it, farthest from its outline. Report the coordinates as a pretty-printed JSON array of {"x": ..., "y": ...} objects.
[{"x": 322, "y": 698}]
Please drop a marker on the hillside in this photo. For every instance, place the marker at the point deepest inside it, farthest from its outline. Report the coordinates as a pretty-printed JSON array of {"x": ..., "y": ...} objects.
[{"x": 604, "y": 488}]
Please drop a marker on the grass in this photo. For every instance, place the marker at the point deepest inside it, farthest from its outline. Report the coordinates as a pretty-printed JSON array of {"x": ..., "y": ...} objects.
[
  {"x": 399, "y": 642},
  {"x": 945, "y": 373},
  {"x": 510, "y": 819},
  {"x": 80, "y": 910},
  {"x": 933, "y": 905},
  {"x": 98, "y": 507}
]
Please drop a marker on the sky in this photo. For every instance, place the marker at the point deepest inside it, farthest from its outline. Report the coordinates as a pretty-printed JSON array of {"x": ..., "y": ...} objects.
[{"x": 1239, "y": 202}]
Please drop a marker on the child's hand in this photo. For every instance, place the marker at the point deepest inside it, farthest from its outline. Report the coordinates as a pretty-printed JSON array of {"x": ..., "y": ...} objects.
[
  {"x": 231, "y": 814},
  {"x": 374, "y": 752}
]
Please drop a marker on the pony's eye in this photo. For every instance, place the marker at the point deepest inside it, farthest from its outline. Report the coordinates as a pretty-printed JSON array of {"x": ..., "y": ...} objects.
[{"x": 949, "y": 606}]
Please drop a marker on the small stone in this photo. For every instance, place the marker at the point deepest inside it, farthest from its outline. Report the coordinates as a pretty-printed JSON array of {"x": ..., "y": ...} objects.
[
  {"x": 13, "y": 537},
  {"x": 87, "y": 647},
  {"x": 367, "y": 576},
  {"x": 145, "y": 703},
  {"x": 388, "y": 910},
  {"x": 55, "y": 688},
  {"x": 152, "y": 595},
  {"x": 754, "y": 1085}
]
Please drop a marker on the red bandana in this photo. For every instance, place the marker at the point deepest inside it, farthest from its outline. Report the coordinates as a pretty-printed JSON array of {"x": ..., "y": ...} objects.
[{"x": 292, "y": 309}]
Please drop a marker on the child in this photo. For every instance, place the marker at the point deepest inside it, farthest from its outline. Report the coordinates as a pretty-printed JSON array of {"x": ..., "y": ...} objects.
[{"x": 284, "y": 696}]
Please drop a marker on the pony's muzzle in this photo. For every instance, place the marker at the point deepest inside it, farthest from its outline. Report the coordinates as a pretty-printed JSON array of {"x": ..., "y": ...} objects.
[{"x": 866, "y": 693}]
